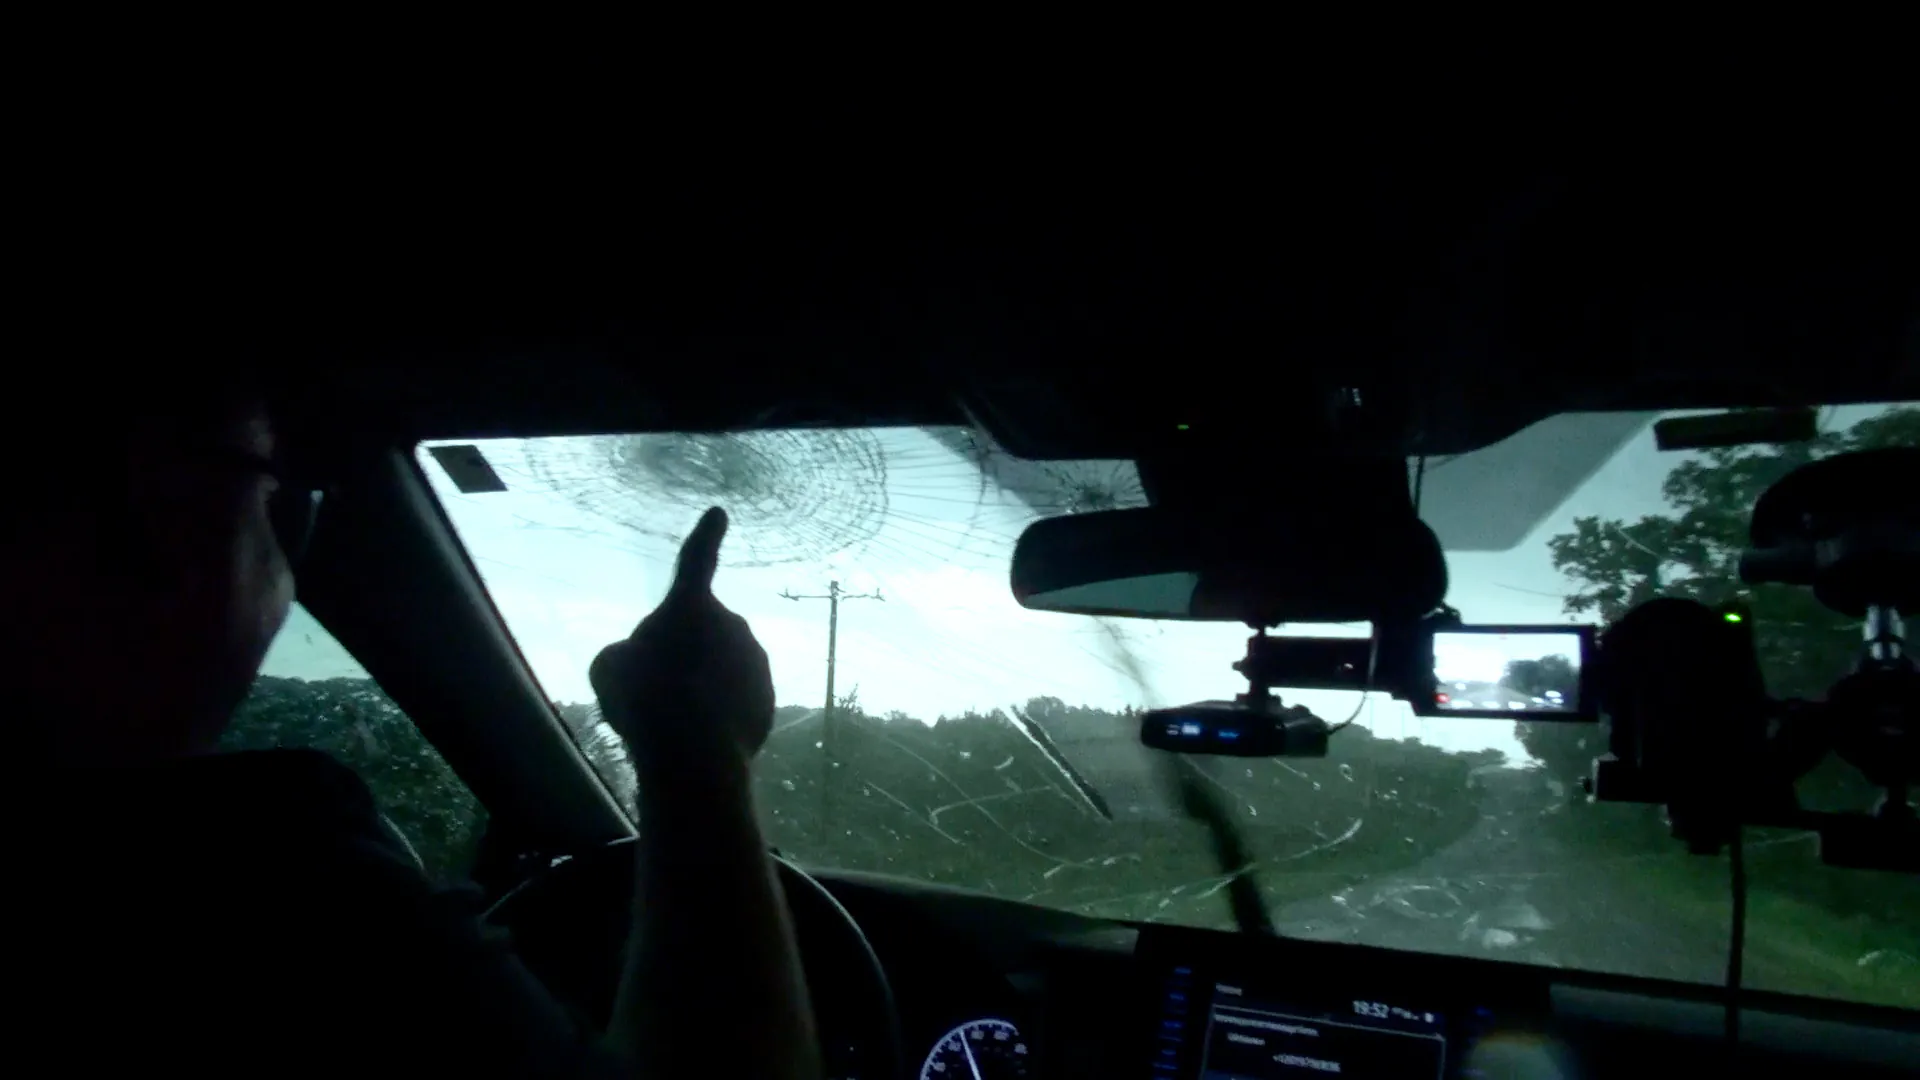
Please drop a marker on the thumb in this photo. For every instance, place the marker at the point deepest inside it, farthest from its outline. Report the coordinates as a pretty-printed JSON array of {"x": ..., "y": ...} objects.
[{"x": 700, "y": 556}]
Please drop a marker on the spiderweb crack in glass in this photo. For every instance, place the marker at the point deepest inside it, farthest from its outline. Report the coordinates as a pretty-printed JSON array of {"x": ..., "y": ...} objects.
[
  {"x": 1048, "y": 487},
  {"x": 793, "y": 496},
  {"x": 802, "y": 495}
]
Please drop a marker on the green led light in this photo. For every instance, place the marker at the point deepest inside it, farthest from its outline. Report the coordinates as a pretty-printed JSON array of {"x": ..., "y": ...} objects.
[
  {"x": 1181, "y": 427},
  {"x": 1733, "y": 616}
]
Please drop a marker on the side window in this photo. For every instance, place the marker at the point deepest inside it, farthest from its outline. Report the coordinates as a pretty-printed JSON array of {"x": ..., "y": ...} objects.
[{"x": 311, "y": 693}]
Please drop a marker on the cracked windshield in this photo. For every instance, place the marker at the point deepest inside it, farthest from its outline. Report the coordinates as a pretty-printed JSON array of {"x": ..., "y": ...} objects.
[{"x": 970, "y": 742}]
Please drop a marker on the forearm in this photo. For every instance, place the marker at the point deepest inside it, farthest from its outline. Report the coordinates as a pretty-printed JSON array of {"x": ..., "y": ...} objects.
[{"x": 712, "y": 945}]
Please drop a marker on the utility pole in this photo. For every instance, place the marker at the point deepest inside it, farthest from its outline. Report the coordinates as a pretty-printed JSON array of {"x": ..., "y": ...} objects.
[{"x": 832, "y": 596}]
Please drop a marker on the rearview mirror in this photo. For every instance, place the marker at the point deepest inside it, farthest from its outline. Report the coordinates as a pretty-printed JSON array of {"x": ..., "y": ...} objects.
[{"x": 1257, "y": 569}]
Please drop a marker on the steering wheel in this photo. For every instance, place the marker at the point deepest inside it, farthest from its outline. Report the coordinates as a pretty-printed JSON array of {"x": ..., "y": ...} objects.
[{"x": 570, "y": 924}]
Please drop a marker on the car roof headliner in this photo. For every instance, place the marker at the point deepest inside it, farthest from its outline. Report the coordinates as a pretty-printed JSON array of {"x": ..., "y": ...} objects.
[{"x": 1463, "y": 287}]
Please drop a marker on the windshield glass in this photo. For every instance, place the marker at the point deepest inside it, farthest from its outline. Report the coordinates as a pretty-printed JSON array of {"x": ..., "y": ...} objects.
[{"x": 971, "y": 742}]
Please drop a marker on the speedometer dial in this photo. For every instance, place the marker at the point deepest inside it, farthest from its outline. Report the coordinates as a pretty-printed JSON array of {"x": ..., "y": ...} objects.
[{"x": 978, "y": 1050}]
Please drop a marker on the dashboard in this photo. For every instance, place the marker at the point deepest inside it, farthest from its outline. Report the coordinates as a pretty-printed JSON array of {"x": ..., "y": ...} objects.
[
  {"x": 993, "y": 990},
  {"x": 1221, "y": 1009},
  {"x": 1193, "y": 1004}
]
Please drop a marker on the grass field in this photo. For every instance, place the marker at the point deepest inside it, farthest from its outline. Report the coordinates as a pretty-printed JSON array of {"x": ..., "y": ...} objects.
[
  {"x": 1795, "y": 944},
  {"x": 1811, "y": 928}
]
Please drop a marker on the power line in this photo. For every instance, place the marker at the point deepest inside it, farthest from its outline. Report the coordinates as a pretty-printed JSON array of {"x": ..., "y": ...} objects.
[
  {"x": 832, "y": 596},
  {"x": 1530, "y": 592}
]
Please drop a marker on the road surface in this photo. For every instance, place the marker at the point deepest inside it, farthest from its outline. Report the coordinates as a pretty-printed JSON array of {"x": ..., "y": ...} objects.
[{"x": 1510, "y": 889}]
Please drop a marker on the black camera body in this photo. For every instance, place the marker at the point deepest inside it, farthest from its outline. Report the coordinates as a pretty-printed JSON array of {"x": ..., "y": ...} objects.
[{"x": 1692, "y": 726}]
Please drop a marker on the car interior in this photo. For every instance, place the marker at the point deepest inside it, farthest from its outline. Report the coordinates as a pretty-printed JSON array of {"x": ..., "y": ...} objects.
[{"x": 1386, "y": 418}]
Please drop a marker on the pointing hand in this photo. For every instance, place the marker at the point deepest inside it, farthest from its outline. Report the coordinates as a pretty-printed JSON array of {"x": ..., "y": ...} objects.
[{"x": 691, "y": 680}]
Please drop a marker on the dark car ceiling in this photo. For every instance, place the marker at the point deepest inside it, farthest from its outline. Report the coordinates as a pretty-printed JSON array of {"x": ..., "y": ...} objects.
[{"x": 1457, "y": 286}]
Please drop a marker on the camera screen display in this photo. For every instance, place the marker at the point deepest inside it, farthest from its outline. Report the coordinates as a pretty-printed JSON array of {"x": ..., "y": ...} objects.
[{"x": 1489, "y": 670}]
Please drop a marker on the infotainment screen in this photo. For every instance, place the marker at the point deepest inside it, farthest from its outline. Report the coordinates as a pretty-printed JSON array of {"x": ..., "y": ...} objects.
[
  {"x": 1236, "y": 1035},
  {"x": 1281, "y": 1010},
  {"x": 1280, "y": 1039}
]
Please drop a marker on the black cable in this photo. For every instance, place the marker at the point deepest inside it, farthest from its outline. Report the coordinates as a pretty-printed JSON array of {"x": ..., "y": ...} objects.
[
  {"x": 1737, "y": 944},
  {"x": 1419, "y": 480}
]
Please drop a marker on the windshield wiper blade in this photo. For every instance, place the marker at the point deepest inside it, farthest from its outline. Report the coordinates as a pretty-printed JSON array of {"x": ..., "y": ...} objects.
[{"x": 1243, "y": 893}]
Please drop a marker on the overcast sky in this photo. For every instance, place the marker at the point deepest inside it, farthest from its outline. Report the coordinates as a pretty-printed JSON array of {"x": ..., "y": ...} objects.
[{"x": 573, "y": 561}]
